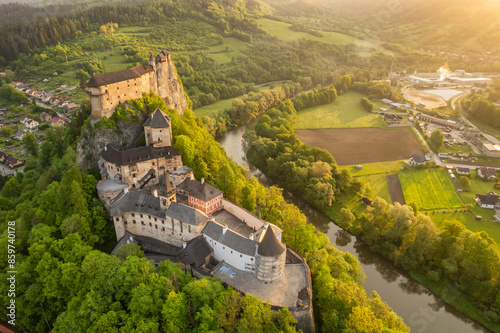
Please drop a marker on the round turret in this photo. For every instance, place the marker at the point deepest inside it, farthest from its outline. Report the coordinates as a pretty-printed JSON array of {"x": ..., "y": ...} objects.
[{"x": 271, "y": 255}]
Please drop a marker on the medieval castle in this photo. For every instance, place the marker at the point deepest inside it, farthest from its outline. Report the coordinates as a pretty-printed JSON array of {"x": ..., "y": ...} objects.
[
  {"x": 107, "y": 91},
  {"x": 155, "y": 202}
]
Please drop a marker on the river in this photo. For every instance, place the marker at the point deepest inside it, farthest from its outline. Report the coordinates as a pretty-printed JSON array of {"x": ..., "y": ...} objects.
[{"x": 419, "y": 308}]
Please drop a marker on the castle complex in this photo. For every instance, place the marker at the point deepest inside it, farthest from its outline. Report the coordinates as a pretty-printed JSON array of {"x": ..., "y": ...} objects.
[
  {"x": 107, "y": 91},
  {"x": 155, "y": 202}
]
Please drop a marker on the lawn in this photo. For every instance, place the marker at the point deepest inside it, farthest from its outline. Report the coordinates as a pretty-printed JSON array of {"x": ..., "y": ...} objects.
[
  {"x": 375, "y": 168},
  {"x": 345, "y": 112},
  {"x": 378, "y": 185},
  {"x": 430, "y": 189},
  {"x": 213, "y": 110},
  {"x": 281, "y": 30},
  {"x": 231, "y": 47}
]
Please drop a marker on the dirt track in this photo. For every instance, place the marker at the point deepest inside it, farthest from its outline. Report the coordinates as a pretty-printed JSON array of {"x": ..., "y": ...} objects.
[
  {"x": 363, "y": 145},
  {"x": 417, "y": 96},
  {"x": 395, "y": 189}
]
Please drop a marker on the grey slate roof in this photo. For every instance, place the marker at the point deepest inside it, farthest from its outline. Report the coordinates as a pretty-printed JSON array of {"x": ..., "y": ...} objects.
[
  {"x": 487, "y": 172},
  {"x": 230, "y": 238},
  {"x": 195, "y": 252},
  {"x": 490, "y": 198},
  {"x": 419, "y": 158},
  {"x": 117, "y": 76},
  {"x": 139, "y": 202},
  {"x": 270, "y": 246},
  {"x": 206, "y": 192},
  {"x": 185, "y": 214},
  {"x": 189, "y": 185},
  {"x": 136, "y": 155},
  {"x": 158, "y": 119}
]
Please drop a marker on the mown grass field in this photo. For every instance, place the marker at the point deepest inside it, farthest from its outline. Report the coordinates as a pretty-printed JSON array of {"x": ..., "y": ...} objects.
[
  {"x": 375, "y": 168},
  {"x": 223, "y": 53},
  {"x": 213, "y": 110},
  {"x": 345, "y": 112},
  {"x": 281, "y": 30},
  {"x": 430, "y": 189}
]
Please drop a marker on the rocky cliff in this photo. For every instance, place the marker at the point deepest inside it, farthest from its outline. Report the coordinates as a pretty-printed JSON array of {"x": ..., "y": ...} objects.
[
  {"x": 95, "y": 136},
  {"x": 170, "y": 86}
]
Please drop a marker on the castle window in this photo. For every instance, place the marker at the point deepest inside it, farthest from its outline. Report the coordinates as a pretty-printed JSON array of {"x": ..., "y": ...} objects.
[
  {"x": 117, "y": 88},
  {"x": 189, "y": 228},
  {"x": 133, "y": 214},
  {"x": 223, "y": 247},
  {"x": 133, "y": 221},
  {"x": 231, "y": 251},
  {"x": 117, "y": 218},
  {"x": 162, "y": 229},
  {"x": 142, "y": 222},
  {"x": 150, "y": 224},
  {"x": 141, "y": 216},
  {"x": 107, "y": 91},
  {"x": 162, "y": 221},
  {"x": 241, "y": 256},
  {"x": 156, "y": 219},
  {"x": 125, "y": 222},
  {"x": 251, "y": 259}
]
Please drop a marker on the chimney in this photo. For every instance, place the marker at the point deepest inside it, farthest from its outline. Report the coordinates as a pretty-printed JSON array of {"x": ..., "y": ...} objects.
[
  {"x": 191, "y": 176},
  {"x": 105, "y": 148},
  {"x": 203, "y": 180},
  {"x": 224, "y": 229},
  {"x": 184, "y": 245},
  {"x": 125, "y": 190},
  {"x": 155, "y": 193},
  {"x": 251, "y": 236},
  {"x": 266, "y": 225}
]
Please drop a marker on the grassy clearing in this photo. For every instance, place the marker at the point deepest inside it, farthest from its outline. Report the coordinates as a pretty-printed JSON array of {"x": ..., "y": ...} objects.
[
  {"x": 114, "y": 61},
  {"x": 375, "y": 168},
  {"x": 281, "y": 30},
  {"x": 214, "y": 109},
  {"x": 231, "y": 47},
  {"x": 345, "y": 112},
  {"x": 430, "y": 189}
]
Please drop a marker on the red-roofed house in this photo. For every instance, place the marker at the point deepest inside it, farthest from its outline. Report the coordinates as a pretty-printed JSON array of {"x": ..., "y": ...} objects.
[{"x": 58, "y": 121}]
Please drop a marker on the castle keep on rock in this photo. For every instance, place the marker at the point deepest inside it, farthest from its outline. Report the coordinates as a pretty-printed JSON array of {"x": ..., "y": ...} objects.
[
  {"x": 107, "y": 91},
  {"x": 155, "y": 202}
]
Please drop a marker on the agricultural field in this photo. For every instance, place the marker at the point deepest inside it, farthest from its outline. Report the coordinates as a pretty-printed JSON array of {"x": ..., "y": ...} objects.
[
  {"x": 345, "y": 112},
  {"x": 213, "y": 110},
  {"x": 282, "y": 31},
  {"x": 230, "y": 48},
  {"x": 375, "y": 168},
  {"x": 363, "y": 145},
  {"x": 430, "y": 189}
]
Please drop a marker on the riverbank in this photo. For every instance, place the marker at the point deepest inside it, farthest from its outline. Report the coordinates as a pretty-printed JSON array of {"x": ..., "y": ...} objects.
[{"x": 421, "y": 310}]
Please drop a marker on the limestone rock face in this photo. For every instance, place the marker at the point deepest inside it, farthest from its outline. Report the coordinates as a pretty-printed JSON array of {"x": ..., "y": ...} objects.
[
  {"x": 169, "y": 87},
  {"x": 94, "y": 138}
]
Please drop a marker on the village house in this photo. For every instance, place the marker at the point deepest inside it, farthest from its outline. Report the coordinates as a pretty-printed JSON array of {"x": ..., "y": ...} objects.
[
  {"x": 30, "y": 124},
  {"x": 20, "y": 134},
  {"x": 58, "y": 121},
  {"x": 45, "y": 117},
  {"x": 486, "y": 173},
  {"x": 489, "y": 200},
  {"x": 463, "y": 171},
  {"x": 71, "y": 106},
  {"x": 416, "y": 160},
  {"x": 12, "y": 162}
]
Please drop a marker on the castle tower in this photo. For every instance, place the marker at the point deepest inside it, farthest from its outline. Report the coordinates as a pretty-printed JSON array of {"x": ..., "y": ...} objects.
[
  {"x": 271, "y": 255},
  {"x": 151, "y": 60},
  {"x": 166, "y": 193},
  {"x": 158, "y": 129}
]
